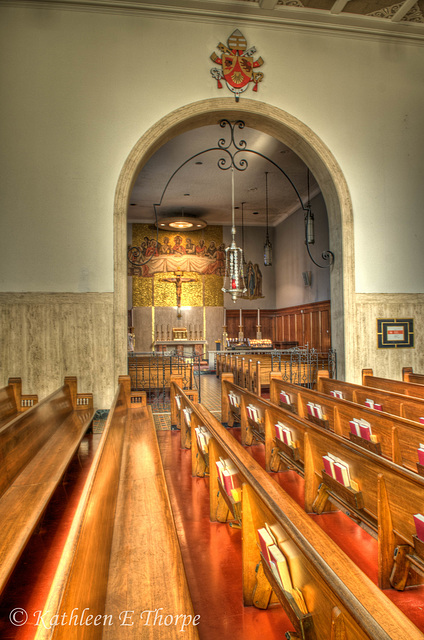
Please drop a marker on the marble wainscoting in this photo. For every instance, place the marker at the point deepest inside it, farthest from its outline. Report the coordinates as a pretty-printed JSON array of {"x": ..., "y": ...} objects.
[
  {"x": 386, "y": 363},
  {"x": 47, "y": 336}
]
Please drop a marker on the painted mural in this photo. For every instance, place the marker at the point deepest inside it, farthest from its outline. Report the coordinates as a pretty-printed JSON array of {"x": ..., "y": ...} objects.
[{"x": 196, "y": 258}]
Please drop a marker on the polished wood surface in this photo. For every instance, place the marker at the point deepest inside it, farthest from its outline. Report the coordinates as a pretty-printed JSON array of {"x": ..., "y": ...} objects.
[
  {"x": 408, "y": 375},
  {"x": 408, "y": 407},
  {"x": 12, "y": 402},
  {"x": 399, "y": 437},
  {"x": 122, "y": 556},
  {"x": 397, "y": 386},
  {"x": 35, "y": 450},
  {"x": 326, "y": 576}
]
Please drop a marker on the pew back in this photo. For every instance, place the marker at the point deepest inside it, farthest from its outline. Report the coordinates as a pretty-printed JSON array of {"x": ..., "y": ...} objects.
[{"x": 397, "y": 386}]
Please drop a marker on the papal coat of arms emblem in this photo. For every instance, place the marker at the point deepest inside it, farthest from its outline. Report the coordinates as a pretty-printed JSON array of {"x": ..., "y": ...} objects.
[{"x": 237, "y": 65}]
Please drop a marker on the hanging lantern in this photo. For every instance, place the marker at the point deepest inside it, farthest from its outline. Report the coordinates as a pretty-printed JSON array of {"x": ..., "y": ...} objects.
[
  {"x": 267, "y": 245},
  {"x": 234, "y": 277}
]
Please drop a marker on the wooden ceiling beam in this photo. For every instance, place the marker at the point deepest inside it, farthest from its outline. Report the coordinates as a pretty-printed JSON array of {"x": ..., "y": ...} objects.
[
  {"x": 267, "y": 4},
  {"x": 403, "y": 10},
  {"x": 338, "y": 6}
]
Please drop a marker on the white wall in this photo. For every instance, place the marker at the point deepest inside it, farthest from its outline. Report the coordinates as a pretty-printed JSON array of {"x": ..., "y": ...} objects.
[
  {"x": 80, "y": 88},
  {"x": 291, "y": 259}
]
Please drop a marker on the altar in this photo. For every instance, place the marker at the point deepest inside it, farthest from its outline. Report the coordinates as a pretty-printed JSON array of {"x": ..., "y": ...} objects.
[{"x": 181, "y": 347}]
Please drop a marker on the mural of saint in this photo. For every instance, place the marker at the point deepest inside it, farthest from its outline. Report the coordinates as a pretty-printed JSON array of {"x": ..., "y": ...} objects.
[
  {"x": 211, "y": 250},
  {"x": 165, "y": 248},
  {"x": 178, "y": 247},
  {"x": 190, "y": 247},
  {"x": 201, "y": 249}
]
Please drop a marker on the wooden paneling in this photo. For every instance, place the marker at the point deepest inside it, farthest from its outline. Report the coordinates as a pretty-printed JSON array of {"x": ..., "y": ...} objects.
[{"x": 306, "y": 324}]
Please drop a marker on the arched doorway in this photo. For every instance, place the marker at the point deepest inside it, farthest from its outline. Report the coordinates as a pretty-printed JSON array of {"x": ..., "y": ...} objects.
[{"x": 307, "y": 145}]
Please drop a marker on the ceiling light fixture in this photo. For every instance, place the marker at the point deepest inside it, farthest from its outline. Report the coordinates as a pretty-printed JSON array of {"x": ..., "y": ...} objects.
[
  {"x": 181, "y": 223},
  {"x": 234, "y": 277}
]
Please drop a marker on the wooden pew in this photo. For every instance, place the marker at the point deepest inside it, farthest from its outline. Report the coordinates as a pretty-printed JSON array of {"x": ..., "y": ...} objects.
[
  {"x": 13, "y": 402},
  {"x": 342, "y": 603},
  {"x": 408, "y": 375},
  {"x": 388, "y": 495},
  {"x": 36, "y": 448},
  {"x": 408, "y": 407},
  {"x": 398, "y": 438},
  {"x": 122, "y": 559},
  {"x": 396, "y": 386}
]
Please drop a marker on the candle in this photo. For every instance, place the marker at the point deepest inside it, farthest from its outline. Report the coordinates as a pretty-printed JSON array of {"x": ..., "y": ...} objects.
[
  {"x": 240, "y": 318},
  {"x": 259, "y": 321},
  {"x": 225, "y": 316}
]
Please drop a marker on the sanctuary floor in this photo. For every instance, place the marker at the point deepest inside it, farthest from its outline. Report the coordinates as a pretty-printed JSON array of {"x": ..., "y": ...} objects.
[{"x": 211, "y": 551}]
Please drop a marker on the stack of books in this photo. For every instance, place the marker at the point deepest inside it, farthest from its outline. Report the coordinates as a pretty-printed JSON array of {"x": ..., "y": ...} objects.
[
  {"x": 316, "y": 411},
  {"x": 285, "y": 398},
  {"x": 227, "y": 473},
  {"x": 338, "y": 470},
  {"x": 419, "y": 526},
  {"x": 362, "y": 428},
  {"x": 233, "y": 400},
  {"x": 203, "y": 436},
  {"x": 253, "y": 413},
  {"x": 373, "y": 405},
  {"x": 284, "y": 434},
  {"x": 337, "y": 394},
  {"x": 187, "y": 416},
  {"x": 178, "y": 401},
  {"x": 279, "y": 564},
  {"x": 421, "y": 454}
]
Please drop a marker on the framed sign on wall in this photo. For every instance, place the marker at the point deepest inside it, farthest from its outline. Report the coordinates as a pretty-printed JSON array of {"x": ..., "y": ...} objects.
[{"x": 395, "y": 333}]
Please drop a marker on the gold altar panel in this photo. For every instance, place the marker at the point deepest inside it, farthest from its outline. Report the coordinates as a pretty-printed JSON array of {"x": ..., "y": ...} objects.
[
  {"x": 142, "y": 231},
  {"x": 142, "y": 295},
  {"x": 166, "y": 292},
  {"x": 214, "y": 297}
]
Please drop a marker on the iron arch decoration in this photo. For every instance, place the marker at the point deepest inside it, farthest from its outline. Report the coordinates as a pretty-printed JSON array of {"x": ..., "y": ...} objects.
[{"x": 233, "y": 158}]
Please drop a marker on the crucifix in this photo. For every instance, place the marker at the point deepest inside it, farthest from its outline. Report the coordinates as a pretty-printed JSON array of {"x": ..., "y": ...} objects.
[{"x": 179, "y": 287}]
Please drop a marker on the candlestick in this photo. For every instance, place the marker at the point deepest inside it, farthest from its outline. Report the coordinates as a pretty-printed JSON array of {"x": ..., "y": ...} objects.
[
  {"x": 225, "y": 315},
  {"x": 240, "y": 317},
  {"x": 259, "y": 319}
]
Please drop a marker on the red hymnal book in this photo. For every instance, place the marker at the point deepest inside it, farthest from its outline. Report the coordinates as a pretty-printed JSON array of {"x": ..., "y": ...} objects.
[
  {"x": 310, "y": 408},
  {"x": 265, "y": 541},
  {"x": 419, "y": 525},
  {"x": 421, "y": 454},
  {"x": 378, "y": 407},
  {"x": 365, "y": 431},
  {"x": 354, "y": 428},
  {"x": 328, "y": 466},
  {"x": 421, "y": 420},
  {"x": 341, "y": 473}
]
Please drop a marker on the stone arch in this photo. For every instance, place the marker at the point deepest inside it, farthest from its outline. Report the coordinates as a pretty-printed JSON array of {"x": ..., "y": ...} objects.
[{"x": 308, "y": 146}]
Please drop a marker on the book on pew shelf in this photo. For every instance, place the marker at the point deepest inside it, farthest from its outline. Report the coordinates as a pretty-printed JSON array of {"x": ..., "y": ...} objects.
[
  {"x": 236, "y": 494},
  {"x": 253, "y": 413},
  {"x": 284, "y": 397},
  {"x": 279, "y": 430},
  {"x": 234, "y": 400},
  {"x": 280, "y": 567},
  {"x": 328, "y": 466},
  {"x": 354, "y": 427},
  {"x": 203, "y": 436},
  {"x": 421, "y": 454},
  {"x": 318, "y": 411},
  {"x": 299, "y": 599},
  {"x": 342, "y": 473},
  {"x": 266, "y": 540},
  {"x": 337, "y": 394},
  {"x": 421, "y": 420},
  {"x": 178, "y": 401},
  {"x": 365, "y": 430},
  {"x": 419, "y": 525},
  {"x": 187, "y": 416},
  {"x": 378, "y": 406},
  {"x": 310, "y": 408},
  {"x": 227, "y": 474}
]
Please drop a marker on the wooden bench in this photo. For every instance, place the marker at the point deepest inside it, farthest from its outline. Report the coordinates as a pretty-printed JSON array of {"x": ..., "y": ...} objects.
[
  {"x": 398, "y": 438},
  {"x": 408, "y": 375},
  {"x": 148, "y": 372},
  {"x": 342, "y": 603},
  {"x": 388, "y": 497},
  {"x": 36, "y": 448},
  {"x": 122, "y": 559},
  {"x": 396, "y": 386},
  {"x": 13, "y": 402},
  {"x": 397, "y": 404}
]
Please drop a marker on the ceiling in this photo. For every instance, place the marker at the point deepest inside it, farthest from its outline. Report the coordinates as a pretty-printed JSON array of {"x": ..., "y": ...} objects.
[{"x": 200, "y": 188}]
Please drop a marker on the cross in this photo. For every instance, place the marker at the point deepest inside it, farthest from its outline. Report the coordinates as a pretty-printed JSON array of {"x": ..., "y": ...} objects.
[{"x": 179, "y": 284}]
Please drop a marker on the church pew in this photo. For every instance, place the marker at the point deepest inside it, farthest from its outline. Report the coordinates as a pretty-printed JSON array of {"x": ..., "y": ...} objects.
[
  {"x": 310, "y": 443},
  {"x": 408, "y": 407},
  {"x": 408, "y": 375},
  {"x": 342, "y": 603},
  {"x": 122, "y": 558},
  {"x": 398, "y": 438},
  {"x": 396, "y": 386},
  {"x": 13, "y": 402},
  {"x": 36, "y": 448}
]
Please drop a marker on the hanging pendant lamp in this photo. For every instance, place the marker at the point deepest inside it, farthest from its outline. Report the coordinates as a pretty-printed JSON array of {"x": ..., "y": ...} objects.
[
  {"x": 267, "y": 245},
  {"x": 234, "y": 278}
]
